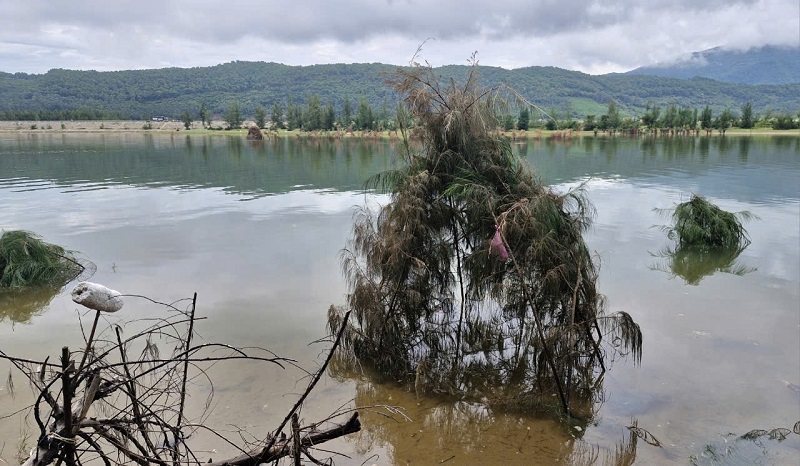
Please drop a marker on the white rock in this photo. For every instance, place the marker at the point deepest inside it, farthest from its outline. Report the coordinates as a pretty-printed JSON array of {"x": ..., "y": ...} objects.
[{"x": 97, "y": 297}]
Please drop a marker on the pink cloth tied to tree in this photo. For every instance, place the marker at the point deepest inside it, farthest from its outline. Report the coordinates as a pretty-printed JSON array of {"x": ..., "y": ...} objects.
[{"x": 496, "y": 246}]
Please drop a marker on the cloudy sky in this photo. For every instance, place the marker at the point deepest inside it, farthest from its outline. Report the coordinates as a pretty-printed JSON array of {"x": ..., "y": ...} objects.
[{"x": 593, "y": 36}]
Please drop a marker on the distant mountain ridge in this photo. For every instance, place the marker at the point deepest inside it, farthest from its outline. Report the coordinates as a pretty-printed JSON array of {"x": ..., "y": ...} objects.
[
  {"x": 764, "y": 65},
  {"x": 141, "y": 94}
]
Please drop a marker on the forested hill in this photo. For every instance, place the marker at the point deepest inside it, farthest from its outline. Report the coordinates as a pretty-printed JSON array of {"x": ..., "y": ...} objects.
[
  {"x": 764, "y": 65},
  {"x": 172, "y": 91}
]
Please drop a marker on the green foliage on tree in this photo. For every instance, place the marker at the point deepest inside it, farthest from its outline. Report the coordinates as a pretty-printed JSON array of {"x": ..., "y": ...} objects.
[
  {"x": 783, "y": 121},
  {"x": 474, "y": 280},
  {"x": 364, "y": 118},
  {"x": 706, "y": 121},
  {"x": 524, "y": 119},
  {"x": 203, "y": 114},
  {"x": 614, "y": 118},
  {"x": 260, "y": 117},
  {"x": 186, "y": 118},
  {"x": 404, "y": 120},
  {"x": 650, "y": 118},
  {"x": 568, "y": 123},
  {"x": 312, "y": 118},
  {"x": 724, "y": 121},
  {"x": 748, "y": 120},
  {"x": 685, "y": 122},
  {"x": 382, "y": 117},
  {"x": 276, "y": 116},
  {"x": 233, "y": 117},
  {"x": 292, "y": 116},
  {"x": 347, "y": 113},
  {"x": 507, "y": 122},
  {"x": 552, "y": 120},
  {"x": 590, "y": 123},
  {"x": 670, "y": 118},
  {"x": 329, "y": 118}
]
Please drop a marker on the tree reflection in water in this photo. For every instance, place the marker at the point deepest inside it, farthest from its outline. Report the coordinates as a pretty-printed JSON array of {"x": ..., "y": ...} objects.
[
  {"x": 693, "y": 263},
  {"x": 451, "y": 431},
  {"x": 21, "y": 305}
]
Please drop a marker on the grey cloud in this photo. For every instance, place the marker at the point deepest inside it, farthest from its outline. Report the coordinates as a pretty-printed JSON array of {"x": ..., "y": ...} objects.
[
  {"x": 588, "y": 35},
  {"x": 351, "y": 20}
]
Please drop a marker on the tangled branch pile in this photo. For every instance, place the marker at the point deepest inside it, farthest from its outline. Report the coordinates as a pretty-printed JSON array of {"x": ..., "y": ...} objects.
[
  {"x": 475, "y": 280},
  {"x": 116, "y": 407}
]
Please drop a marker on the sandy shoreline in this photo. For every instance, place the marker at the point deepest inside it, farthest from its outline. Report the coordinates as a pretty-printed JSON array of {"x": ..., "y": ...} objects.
[
  {"x": 101, "y": 126},
  {"x": 94, "y": 126}
]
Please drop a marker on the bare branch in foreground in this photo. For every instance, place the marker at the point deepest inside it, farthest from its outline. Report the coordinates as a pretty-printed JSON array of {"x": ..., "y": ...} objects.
[{"x": 140, "y": 400}]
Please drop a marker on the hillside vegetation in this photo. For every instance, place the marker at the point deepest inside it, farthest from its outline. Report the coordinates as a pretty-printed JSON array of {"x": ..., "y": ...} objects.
[{"x": 140, "y": 94}]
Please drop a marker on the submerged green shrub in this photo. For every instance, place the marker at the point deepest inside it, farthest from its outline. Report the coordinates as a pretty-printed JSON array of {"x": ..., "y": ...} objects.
[
  {"x": 26, "y": 260},
  {"x": 709, "y": 240},
  {"x": 698, "y": 222}
]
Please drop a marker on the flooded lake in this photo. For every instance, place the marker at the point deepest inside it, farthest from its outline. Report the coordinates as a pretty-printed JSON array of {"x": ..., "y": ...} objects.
[{"x": 256, "y": 231}]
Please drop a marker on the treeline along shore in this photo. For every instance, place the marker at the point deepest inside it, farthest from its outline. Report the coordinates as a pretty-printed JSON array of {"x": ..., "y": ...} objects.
[{"x": 353, "y": 90}]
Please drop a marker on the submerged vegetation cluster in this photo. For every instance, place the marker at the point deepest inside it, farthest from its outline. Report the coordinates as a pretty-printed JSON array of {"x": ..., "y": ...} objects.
[
  {"x": 26, "y": 260},
  {"x": 708, "y": 240},
  {"x": 438, "y": 304},
  {"x": 699, "y": 223},
  {"x": 32, "y": 272}
]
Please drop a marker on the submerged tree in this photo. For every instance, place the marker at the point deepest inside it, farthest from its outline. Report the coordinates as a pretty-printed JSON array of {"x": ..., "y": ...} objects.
[
  {"x": 708, "y": 240},
  {"x": 233, "y": 117},
  {"x": 32, "y": 272},
  {"x": 698, "y": 222},
  {"x": 475, "y": 280}
]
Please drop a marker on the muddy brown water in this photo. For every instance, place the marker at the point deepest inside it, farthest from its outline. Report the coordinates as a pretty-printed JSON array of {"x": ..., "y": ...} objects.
[{"x": 256, "y": 231}]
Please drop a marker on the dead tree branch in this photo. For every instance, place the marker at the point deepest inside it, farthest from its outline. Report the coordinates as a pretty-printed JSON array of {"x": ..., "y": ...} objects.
[{"x": 144, "y": 420}]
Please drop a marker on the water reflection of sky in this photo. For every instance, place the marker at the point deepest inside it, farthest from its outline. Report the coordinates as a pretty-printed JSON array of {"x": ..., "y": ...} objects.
[
  {"x": 127, "y": 205},
  {"x": 715, "y": 355}
]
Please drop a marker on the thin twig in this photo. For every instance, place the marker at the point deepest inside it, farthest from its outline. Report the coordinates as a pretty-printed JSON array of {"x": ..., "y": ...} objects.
[
  {"x": 176, "y": 445},
  {"x": 313, "y": 381}
]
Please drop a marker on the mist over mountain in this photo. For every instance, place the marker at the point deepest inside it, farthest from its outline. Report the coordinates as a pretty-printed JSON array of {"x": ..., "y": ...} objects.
[{"x": 764, "y": 65}]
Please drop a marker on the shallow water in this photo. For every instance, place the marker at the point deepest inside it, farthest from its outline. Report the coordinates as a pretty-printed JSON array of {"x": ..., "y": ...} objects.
[{"x": 256, "y": 231}]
